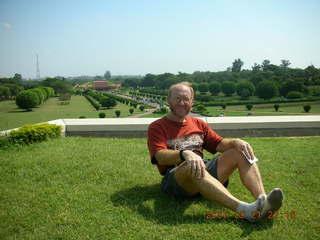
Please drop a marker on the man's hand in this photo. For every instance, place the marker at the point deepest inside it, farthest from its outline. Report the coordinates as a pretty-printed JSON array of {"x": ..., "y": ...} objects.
[
  {"x": 194, "y": 161},
  {"x": 244, "y": 148}
]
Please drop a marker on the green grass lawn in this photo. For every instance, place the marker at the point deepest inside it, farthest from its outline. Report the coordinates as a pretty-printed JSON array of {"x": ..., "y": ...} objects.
[
  {"x": 266, "y": 109},
  {"x": 94, "y": 188},
  {"x": 11, "y": 116}
]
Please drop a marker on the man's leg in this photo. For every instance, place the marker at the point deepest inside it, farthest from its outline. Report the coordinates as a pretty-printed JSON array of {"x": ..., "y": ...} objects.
[
  {"x": 250, "y": 177},
  {"x": 249, "y": 174},
  {"x": 213, "y": 190}
]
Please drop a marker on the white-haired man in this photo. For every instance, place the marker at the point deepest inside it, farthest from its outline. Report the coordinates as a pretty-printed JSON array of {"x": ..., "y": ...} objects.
[{"x": 176, "y": 144}]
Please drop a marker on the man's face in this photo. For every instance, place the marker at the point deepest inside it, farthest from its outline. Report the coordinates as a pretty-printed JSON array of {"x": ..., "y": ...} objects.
[{"x": 180, "y": 101}]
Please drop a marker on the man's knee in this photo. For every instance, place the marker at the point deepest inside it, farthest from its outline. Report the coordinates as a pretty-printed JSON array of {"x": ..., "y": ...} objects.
[{"x": 233, "y": 156}]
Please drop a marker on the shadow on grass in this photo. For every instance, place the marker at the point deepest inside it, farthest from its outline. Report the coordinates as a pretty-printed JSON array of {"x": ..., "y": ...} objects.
[{"x": 167, "y": 210}]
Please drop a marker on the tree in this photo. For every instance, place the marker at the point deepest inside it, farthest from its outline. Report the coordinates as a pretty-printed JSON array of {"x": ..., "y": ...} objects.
[
  {"x": 107, "y": 75},
  {"x": 17, "y": 78},
  {"x": 203, "y": 87},
  {"x": 267, "y": 89},
  {"x": 245, "y": 89},
  {"x": 27, "y": 99},
  {"x": 132, "y": 82},
  {"x": 228, "y": 88},
  {"x": 60, "y": 86},
  {"x": 256, "y": 67},
  {"x": 215, "y": 88},
  {"x": 236, "y": 65},
  {"x": 265, "y": 64},
  {"x": 285, "y": 63},
  {"x": 148, "y": 80},
  {"x": 4, "y": 93},
  {"x": 290, "y": 86}
]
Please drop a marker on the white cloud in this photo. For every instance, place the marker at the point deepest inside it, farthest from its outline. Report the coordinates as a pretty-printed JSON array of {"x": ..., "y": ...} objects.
[{"x": 6, "y": 25}]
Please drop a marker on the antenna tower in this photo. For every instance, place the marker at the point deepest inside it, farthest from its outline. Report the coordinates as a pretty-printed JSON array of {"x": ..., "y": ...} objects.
[{"x": 38, "y": 69}]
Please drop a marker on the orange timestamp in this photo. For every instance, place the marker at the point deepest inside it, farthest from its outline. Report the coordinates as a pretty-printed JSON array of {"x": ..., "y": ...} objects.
[{"x": 223, "y": 214}]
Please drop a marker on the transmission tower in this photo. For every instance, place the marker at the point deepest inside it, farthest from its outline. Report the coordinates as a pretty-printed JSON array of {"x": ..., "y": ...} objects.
[{"x": 38, "y": 69}]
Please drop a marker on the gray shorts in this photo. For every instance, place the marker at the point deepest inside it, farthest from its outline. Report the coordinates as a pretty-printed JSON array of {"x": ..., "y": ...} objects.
[{"x": 169, "y": 183}]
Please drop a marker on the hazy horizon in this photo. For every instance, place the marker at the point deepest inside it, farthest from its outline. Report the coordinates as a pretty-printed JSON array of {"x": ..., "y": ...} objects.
[{"x": 78, "y": 38}]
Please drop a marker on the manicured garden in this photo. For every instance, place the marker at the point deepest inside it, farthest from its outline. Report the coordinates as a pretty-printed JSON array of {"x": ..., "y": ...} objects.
[
  {"x": 11, "y": 116},
  {"x": 87, "y": 188}
]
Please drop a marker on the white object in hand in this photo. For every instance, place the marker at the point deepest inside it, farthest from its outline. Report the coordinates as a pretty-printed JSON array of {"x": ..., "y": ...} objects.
[{"x": 249, "y": 159}]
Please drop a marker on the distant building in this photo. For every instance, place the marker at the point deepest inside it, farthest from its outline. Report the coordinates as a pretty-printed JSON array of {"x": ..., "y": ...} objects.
[{"x": 100, "y": 85}]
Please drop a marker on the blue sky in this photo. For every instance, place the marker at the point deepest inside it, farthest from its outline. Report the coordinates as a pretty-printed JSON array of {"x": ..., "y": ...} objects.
[{"x": 136, "y": 37}]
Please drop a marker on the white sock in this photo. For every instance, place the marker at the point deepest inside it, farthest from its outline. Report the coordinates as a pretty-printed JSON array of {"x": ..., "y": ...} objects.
[
  {"x": 251, "y": 211},
  {"x": 273, "y": 202}
]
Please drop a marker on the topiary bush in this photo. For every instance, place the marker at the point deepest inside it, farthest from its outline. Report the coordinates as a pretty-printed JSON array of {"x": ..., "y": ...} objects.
[
  {"x": 27, "y": 99},
  {"x": 102, "y": 115},
  {"x": 306, "y": 108},
  {"x": 249, "y": 106},
  {"x": 131, "y": 110},
  {"x": 141, "y": 107},
  {"x": 41, "y": 94},
  {"x": 118, "y": 112},
  {"x": 28, "y": 134},
  {"x": 276, "y": 107}
]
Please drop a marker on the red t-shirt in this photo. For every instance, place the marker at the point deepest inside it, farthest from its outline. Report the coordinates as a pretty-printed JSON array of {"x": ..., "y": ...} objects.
[{"x": 193, "y": 134}]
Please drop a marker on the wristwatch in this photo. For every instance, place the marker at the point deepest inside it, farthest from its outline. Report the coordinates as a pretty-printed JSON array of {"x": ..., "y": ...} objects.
[{"x": 181, "y": 155}]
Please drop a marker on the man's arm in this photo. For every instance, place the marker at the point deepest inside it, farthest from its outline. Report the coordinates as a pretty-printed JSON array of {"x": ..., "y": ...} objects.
[
  {"x": 238, "y": 144},
  {"x": 168, "y": 157},
  {"x": 172, "y": 157}
]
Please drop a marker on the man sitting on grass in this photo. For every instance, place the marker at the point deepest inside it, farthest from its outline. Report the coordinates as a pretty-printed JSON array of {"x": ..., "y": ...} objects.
[{"x": 176, "y": 144}]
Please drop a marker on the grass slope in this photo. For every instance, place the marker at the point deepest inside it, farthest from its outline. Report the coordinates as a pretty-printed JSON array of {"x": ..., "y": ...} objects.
[{"x": 86, "y": 188}]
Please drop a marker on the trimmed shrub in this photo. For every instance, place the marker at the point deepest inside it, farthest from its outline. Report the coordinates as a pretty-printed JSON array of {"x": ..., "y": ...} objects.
[
  {"x": 306, "y": 108},
  {"x": 93, "y": 102},
  {"x": 27, "y": 99},
  {"x": 131, "y": 110},
  {"x": 107, "y": 102},
  {"x": 118, "y": 112},
  {"x": 294, "y": 95},
  {"x": 41, "y": 94},
  {"x": 249, "y": 107},
  {"x": 82, "y": 117},
  {"x": 28, "y": 134},
  {"x": 102, "y": 115},
  {"x": 276, "y": 107},
  {"x": 141, "y": 107}
]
